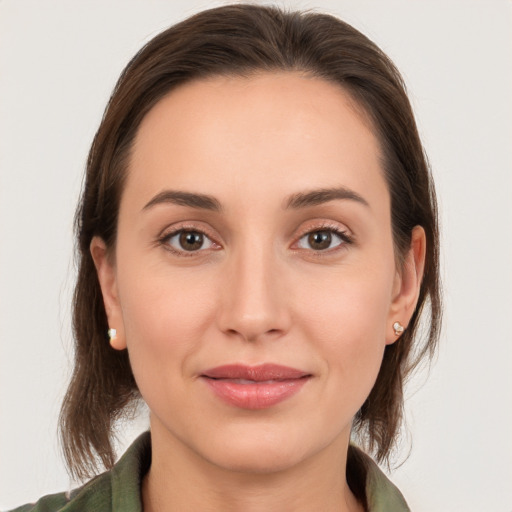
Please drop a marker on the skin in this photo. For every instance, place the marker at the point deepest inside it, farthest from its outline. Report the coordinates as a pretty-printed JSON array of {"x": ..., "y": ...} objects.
[{"x": 257, "y": 291}]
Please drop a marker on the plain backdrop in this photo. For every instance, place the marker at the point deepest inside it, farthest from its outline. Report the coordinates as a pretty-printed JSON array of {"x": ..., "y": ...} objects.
[{"x": 58, "y": 63}]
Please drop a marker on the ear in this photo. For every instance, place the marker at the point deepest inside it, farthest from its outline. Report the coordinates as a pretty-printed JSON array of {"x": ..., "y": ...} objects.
[
  {"x": 406, "y": 288},
  {"x": 108, "y": 282}
]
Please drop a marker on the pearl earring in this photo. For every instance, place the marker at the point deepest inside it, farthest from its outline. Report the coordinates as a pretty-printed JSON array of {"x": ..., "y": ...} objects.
[
  {"x": 112, "y": 334},
  {"x": 398, "y": 328}
]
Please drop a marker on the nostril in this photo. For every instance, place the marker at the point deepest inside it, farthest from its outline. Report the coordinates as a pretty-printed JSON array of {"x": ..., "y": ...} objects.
[{"x": 253, "y": 335}]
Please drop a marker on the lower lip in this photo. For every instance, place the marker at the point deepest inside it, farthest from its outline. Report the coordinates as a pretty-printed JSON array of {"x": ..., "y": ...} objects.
[{"x": 259, "y": 395}]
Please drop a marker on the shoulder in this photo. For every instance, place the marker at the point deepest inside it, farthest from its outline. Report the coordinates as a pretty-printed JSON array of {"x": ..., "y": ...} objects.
[
  {"x": 117, "y": 489},
  {"x": 95, "y": 495}
]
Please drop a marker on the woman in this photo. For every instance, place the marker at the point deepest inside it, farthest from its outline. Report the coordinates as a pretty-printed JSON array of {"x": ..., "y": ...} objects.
[{"x": 258, "y": 237}]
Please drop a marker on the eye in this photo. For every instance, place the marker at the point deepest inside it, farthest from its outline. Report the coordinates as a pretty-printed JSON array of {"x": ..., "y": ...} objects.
[
  {"x": 323, "y": 239},
  {"x": 188, "y": 240}
]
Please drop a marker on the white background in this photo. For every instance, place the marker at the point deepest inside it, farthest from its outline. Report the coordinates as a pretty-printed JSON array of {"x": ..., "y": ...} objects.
[{"x": 58, "y": 63}]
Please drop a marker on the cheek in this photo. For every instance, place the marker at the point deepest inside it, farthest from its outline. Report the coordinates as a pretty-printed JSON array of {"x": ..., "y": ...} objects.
[
  {"x": 354, "y": 304},
  {"x": 164, "y": 314},
  {"x": 165, "y": 321},
  {"x": 348, "y": 321}
]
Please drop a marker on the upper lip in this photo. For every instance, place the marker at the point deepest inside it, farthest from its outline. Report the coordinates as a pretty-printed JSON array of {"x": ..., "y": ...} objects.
[{"x": 261, "y": 372}]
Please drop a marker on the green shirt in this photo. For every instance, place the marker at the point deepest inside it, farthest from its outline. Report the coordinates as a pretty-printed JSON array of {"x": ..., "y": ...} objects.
[{"x": 119, "y": 490}]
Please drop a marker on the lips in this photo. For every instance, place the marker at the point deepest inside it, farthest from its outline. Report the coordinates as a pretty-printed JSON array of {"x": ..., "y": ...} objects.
[{"x": 255, "y": 387}]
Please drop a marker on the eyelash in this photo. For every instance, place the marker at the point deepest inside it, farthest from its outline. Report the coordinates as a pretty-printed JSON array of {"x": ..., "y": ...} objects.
[
  {"x": 166, "y": 237},
  {"x": 343, "y": 235},
  {"x": 333, "y": 229}
]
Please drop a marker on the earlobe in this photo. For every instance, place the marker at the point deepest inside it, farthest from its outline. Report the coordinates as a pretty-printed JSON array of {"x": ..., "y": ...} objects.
[
  {"x": 407, "y": 286},
  {"x": 105, "y": 270},
  {"x": 115, "y": 342},
  {"x": 398, "y": 328}
]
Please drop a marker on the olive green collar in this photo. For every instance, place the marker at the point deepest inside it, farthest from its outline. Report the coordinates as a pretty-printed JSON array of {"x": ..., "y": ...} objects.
[{"x": 381, "y": 494}]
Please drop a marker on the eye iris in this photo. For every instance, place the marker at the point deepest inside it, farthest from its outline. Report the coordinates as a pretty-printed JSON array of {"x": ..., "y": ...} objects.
[
  {"x": 320, "y": 240},
  {"x": 191, "y": 240}
]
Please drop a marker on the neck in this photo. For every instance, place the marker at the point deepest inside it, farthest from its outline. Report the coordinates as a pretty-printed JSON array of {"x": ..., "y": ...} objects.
[{"x": 180, "y": 479}]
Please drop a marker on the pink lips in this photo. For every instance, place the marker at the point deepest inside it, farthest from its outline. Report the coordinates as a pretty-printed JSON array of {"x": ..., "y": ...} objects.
[{"x": 255, "y": 387}]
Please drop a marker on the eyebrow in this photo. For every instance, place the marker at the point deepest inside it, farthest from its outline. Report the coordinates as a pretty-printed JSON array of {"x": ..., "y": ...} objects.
[
  {"x": 323, "y": 195},
  {"x": 295, "y": 201},
  {"x": 193, "y": 200}
]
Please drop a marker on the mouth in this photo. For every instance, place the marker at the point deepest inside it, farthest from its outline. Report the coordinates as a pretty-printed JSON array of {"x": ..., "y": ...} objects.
[{"x": 255, "y": 387}]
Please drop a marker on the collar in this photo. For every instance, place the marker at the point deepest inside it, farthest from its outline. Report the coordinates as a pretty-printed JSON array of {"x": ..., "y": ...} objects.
[{"x": 380, "y": 493}]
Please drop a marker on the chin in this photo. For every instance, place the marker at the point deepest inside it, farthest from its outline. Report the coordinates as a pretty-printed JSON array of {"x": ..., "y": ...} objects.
[
  {"x": 258, "y": 460},
  {"x": 260, "y": 451}
]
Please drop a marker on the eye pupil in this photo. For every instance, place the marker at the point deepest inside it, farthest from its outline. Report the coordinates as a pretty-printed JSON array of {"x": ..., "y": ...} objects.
[
  {"x": 320, "y": 240},
  {"x": 191, "y": 240}
]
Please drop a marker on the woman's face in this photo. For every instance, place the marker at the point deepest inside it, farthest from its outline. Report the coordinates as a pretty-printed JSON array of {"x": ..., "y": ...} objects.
[{"x": 254, "y": 280}]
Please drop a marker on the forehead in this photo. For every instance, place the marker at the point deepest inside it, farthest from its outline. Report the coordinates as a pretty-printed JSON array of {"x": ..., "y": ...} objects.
[{"x": 278, "y": 130}]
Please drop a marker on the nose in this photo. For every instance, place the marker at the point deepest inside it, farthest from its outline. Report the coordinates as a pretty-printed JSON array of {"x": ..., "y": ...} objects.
[{"x": 253, "y": 303}]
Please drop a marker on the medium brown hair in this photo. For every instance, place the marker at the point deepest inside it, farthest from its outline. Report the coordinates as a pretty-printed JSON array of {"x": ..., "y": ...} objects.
[{"x": 242, "y": 40}]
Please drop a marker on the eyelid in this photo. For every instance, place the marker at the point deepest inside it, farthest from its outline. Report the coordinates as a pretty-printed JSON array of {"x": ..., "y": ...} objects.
[
  {"x": 171, "y": 231},
  {"x": 324, "y": 225}
]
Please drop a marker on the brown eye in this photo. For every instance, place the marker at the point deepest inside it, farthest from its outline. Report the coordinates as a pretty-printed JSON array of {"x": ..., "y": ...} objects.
[
  {"x": 320, "y": 240},
  {"x": 323, "y": 239},
  {"x": 191, "y": 240},
  {"x": 186, "y": 240}
]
